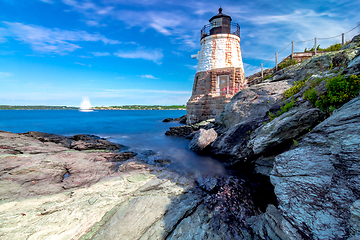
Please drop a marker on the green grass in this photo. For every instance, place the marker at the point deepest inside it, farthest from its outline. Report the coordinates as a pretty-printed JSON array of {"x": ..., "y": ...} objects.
[{"x": 286, "y": 63}]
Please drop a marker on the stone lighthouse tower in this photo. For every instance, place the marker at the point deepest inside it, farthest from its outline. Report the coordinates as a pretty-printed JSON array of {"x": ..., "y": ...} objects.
[{"x": 220, "y": 71}]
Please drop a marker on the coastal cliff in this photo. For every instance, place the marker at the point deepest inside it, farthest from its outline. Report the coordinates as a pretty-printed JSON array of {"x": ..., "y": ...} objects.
[{"x": 300, "y": 128}]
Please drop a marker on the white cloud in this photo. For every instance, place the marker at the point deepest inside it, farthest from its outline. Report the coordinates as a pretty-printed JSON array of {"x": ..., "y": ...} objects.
[
  {"x": 47, "y": 1},
  {"x": 82, "y": 64},
  {"x": 191, "y": 66},
  {"x": 251, "y": 69},
  {"x": 183, "y": 27},
  {"x": 100, "y": 54},
  {"x": 54, "y": 40},
  {"x": 92, "y": 23},
  {"x": 148, "y": 76},
  {"x": 3, "y": 33},
  {"x": 5, "y": 74},
  {"x": 152, "y": 55}
]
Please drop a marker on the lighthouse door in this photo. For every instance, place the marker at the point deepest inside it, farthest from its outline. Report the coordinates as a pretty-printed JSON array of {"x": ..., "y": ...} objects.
[{"x": 222, "y": 85}]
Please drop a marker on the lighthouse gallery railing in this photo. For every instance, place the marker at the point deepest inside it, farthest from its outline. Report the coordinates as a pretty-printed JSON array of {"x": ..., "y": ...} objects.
[{"x": 234, "y": 29}]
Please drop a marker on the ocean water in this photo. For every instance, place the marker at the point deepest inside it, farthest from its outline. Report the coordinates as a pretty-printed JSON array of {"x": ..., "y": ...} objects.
[{"x": 140, "y": 130}]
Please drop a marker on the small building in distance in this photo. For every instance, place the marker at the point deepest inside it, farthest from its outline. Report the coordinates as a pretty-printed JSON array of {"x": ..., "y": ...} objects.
[{"x": 220, "y": 72}]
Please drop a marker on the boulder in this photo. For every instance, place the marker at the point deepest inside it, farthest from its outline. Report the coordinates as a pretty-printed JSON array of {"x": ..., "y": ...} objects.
[
  {"x": 202, "y": 139},
  {"x": 287, "y": 126},
  {"x": 183, "y": 119},
  {"x": 317, "y": 182},
  {"x": 252, "y": 103},
  {"x": 181, "y": 131},
  {"x": 231, "y": 146},
  {"x": 78, "y": 142},
  {"x": 168, "y": 120},
  {"x": 91, "y": 142},
  {"x": 269, "y": 224},
  {"x": 186, "y": 130}
]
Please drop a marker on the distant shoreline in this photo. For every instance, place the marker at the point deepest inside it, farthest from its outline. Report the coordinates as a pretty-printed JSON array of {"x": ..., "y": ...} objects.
[
  {"x": 137, "y": 107},
  {"x": 96, "y": 109}
]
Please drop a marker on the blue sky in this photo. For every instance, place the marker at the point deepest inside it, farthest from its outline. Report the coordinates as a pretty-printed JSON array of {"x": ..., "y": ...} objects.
[{"x": 119, "y": 52}]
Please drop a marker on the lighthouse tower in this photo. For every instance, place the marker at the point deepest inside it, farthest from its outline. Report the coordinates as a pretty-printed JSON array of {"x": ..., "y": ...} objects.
[{"x": 220, "y": 71}]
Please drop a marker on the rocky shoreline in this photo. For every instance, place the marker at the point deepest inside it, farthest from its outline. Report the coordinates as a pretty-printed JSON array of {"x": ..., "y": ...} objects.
[
  {"x": 296, "y": 163},
  {"x": 84, "y": 187},
  {"x": 288, "y": 129}
]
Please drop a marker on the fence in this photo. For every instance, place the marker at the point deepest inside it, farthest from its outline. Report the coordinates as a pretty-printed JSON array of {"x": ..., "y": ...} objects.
[{"x": 292, "y": 49}]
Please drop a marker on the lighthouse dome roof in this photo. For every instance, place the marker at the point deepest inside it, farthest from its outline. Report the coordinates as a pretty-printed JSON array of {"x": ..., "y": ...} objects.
[{"x": 220, "y": 15}]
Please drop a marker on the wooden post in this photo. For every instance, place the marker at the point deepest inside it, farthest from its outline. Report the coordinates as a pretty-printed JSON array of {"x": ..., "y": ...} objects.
[
  {"x": 262, "y": 72},
  {"x": 276, "y": 65},
  {"x": 315, "y": 46},
  {"x": 292, "y": 50},
  {"x": 343, "y": 39}
]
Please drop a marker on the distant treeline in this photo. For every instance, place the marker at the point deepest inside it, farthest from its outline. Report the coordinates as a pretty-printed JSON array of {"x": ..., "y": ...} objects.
[
  {"x": 144, "y": 107},
  {"x": 10, "y": 107}
]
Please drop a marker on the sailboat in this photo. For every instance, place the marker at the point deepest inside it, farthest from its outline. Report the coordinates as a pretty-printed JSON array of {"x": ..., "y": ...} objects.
[{"x": 85, "y": 105}]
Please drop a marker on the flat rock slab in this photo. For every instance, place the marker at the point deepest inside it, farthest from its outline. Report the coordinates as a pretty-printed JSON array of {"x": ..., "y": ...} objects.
[{"x": 121, "y": 207}]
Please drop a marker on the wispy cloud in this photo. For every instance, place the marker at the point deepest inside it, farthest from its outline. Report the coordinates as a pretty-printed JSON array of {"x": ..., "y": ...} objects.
[
  {"x": 5, "y": 74},
  {"x": 101, "y": 54},
  {"x": 155, "y": 55},
  {"x": 47, "y": 1},
  {"x": 54, "y": 40},
  {"x": 148, "y": 76},
  {"x": 250, "y": 69},
  {"x": 191, "y": 66},
  {"x": 82, "y": 64},
  {"x": 175, "y": 23}
]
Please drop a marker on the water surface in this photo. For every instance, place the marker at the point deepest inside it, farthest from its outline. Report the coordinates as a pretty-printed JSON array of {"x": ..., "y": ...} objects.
[{"x": 138, "y": 129}]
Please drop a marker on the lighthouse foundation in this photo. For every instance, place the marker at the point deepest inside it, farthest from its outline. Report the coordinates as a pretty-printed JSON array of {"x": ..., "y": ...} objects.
[{"x": 212, "y": 90}]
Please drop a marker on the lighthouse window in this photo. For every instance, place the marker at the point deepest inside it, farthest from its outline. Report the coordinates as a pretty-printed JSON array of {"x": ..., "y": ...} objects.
[
  {"x": 217, "y": 22},
  {"x": 222, "y": 85}
]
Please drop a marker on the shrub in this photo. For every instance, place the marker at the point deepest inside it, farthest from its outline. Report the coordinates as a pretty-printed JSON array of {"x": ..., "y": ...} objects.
[
  {"x": 268, "y": 76},
  {"x": 286, "y": 63},
  {"x": 334, "y": 47},
  {"x": 295, "y": 89},
  {"x": 286, "y": 107},
  {"x": 311, "y": 95},
  {"x": 340, "y": 89}
]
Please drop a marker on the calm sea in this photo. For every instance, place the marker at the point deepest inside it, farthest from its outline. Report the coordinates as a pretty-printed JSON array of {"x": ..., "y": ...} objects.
[{"x": 140, "y": 130}]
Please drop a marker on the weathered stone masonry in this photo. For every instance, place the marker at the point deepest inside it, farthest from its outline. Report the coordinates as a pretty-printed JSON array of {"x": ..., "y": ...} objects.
[{"x": 220, "y": 72}]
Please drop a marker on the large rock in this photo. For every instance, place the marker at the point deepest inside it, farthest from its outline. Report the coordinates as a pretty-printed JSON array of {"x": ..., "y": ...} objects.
[
  {"x": 231, "y": 146},
  {"x": 288, "y": 126},
  {"x": 317, "y": 183},
  {"x": 31, "y": 168},
  {"x": 189, "y": 130},
  {"x": 78, "y": 142},
  {"x": 269, "y": 224},
  {"x": 257, "y": 100},
  {"x": 202, "y": 139},
  {"x": 253, "y": 103}
]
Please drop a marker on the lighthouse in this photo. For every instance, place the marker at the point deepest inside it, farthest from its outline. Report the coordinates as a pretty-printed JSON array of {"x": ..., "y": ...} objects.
[{"x": 220, "y": 72}]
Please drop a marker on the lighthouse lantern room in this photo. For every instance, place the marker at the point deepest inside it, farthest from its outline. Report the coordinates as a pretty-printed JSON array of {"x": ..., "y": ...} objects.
[{"x": 220, "y": 71}]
